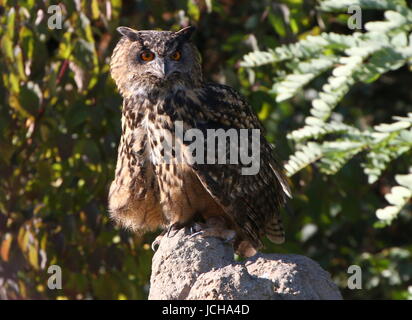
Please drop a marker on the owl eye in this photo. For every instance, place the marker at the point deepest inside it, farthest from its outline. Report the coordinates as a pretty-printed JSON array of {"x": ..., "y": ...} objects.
[
  {"x": 176, "y": 56},
  {"x": 147, "y": 55}
]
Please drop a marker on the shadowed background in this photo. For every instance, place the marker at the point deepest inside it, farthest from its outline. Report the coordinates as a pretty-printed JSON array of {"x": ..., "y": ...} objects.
[{"x": 60, "y": 127}]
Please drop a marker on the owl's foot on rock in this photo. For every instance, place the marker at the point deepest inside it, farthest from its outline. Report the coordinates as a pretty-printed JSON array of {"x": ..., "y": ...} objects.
[
  {"x": 171, "y": 232},
  {"x": 173, "y": 229},
  {"x": 194, "y": 229},
  {"x": 225, "y": 234},
  {"x": 156, "y": 242},
  {"x": 214, "y": 227}
]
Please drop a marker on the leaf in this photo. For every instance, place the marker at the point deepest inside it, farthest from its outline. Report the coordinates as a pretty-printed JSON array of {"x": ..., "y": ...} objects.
[
  {"x": 26, "y": 37},
  {"x": 7, "y": 47},
  {"x": 193, "y": 10},
  {"x": 342, "y": 5},
  {"x": 404, "y": 180},
  {"x": 95, "y": 9},
  {"x": 306, "y": 155},
  {"x": 5, "y": 247},
  {"x": 396, "y": 126},
  {"x": 398, "y": 195},
  {"x": 11, "y": 19},
  {"x": 277, "y": 24},
  {"x": 33, "y": 256},
  {"x": 387, "y": 213},
  {"x": 29, "y": 97}
]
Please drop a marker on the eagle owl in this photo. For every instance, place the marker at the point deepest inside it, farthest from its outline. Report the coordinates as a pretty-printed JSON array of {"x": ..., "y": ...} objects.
[{"x": 159, "y": 75}]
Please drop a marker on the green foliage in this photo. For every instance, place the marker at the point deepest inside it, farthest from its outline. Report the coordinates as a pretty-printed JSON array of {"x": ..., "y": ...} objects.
[
  {"x": 59, "y": 130},
  {"x": 333, "y": 5},
  {"x": 342, "y": 100},
  {"x": 352, "y": 58},
  {"x": 326, "y": 69},
  {"x": 398, "y": 198}
]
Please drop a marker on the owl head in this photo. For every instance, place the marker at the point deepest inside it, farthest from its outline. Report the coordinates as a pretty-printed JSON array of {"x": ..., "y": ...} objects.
[{"x": 150, "y": 61}]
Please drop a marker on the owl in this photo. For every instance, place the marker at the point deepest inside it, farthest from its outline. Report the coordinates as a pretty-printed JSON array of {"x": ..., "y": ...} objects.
[{"x": 158, "y": 181}]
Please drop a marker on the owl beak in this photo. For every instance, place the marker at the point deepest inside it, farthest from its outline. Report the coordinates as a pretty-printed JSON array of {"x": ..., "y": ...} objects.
[
  {"x": 167, "y": 69},
  {"x": 164, "y": 69}
]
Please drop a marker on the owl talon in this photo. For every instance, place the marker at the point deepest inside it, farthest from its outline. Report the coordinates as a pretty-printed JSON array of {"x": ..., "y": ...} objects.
[
  {"x": 226, "y": 235},
  {"x": 154, "y": 246},
  {"x": 194, "y": 229},
  {"x": 174, "y": 228},
  {"x": 196, "y": 234},
  {"x": 156, "y": 243}
]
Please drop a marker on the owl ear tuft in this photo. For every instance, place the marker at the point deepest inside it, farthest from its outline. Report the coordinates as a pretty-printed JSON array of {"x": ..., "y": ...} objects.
[
  {"x": 128, "y": 32},
  {"x": 185, "y": 33}
]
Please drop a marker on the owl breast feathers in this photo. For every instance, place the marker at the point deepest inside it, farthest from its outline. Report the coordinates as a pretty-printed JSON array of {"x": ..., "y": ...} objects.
[{"x": 172, "y": 170}]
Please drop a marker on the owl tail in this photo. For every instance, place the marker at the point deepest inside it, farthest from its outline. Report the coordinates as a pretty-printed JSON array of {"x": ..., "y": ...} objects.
[{"x": 275, "y": 232}]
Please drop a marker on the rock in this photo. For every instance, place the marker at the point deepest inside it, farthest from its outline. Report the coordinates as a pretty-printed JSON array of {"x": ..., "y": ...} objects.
[{"x": 204, "y": 268}]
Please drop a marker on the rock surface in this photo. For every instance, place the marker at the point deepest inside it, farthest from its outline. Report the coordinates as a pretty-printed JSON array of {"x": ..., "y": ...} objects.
[{"x": 204, "y": 268}]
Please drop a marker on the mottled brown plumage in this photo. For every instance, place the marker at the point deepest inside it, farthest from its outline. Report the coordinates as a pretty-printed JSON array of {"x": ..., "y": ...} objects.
[{"x": 147, "y": 192}]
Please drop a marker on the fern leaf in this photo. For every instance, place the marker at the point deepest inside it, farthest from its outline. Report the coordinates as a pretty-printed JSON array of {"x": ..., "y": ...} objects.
[{"x": 398, "y": 197}]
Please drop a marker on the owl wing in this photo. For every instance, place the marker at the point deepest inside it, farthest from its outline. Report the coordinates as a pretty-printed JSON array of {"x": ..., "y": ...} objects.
[{"x": 251, "y": 201}]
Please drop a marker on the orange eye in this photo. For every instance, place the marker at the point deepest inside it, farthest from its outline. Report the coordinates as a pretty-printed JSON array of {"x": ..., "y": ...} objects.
[
  {"x": 147, "y": 56},
  {"x": 176, "y": 56}
]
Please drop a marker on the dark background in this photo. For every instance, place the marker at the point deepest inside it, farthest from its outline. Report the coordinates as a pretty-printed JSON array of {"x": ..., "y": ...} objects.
[{"x": 60, "y": 126}]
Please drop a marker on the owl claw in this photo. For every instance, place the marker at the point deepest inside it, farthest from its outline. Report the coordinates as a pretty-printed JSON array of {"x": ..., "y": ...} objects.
[
  {"x": 155, "y": 244},
  {"x": 194, "y": 229},
  {"x": 226, "y": 235},
  {"x": 174, "y": 228},
  {"x": 192, "y": 235}
]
